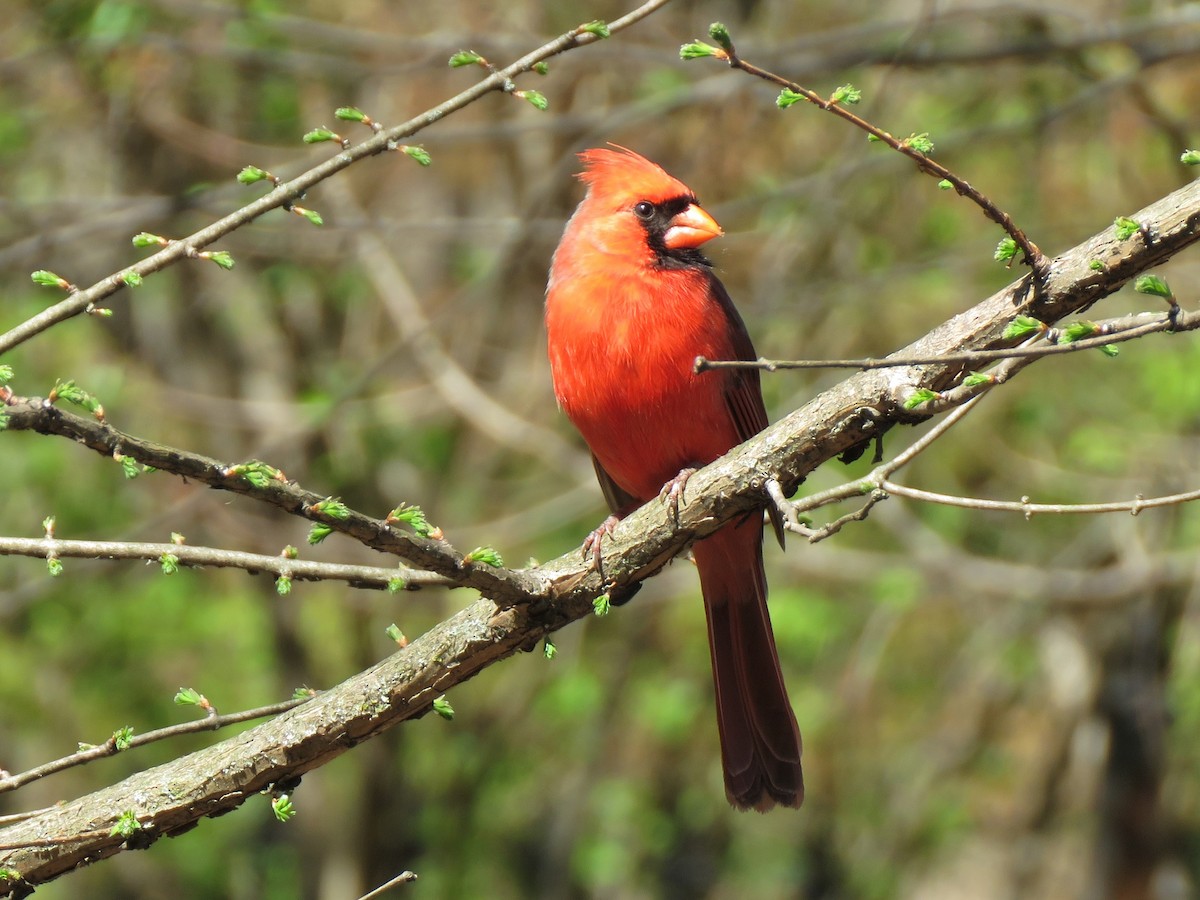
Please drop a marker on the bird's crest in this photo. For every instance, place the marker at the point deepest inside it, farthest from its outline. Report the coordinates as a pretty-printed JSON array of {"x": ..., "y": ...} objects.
[{"x": 621, "y": 175}]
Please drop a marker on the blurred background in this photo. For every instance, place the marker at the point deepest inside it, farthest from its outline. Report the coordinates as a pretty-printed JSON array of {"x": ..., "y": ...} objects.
[{"x": 991, "y": 707}]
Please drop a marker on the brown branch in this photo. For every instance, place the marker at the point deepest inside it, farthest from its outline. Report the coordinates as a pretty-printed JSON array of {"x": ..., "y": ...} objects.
[
  {"x": 376, "y": 577},
  {"x": 1115, "y": 331},
  {"x": 1033, "y": 255},
  {"x": 1028, "y": 509},
  {"x": 109, "y": 747}
]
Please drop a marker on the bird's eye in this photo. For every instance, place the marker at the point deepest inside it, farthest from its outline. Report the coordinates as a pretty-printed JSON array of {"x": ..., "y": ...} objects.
[{"x": 644, "y": 210}]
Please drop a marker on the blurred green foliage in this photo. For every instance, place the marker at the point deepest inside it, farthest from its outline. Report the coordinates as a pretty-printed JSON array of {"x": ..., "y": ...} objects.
[{"x": 953, "y": 672}]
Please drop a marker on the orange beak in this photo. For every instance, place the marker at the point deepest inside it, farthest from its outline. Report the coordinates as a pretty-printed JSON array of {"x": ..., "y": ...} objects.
[{"x": 691, "y": 228}]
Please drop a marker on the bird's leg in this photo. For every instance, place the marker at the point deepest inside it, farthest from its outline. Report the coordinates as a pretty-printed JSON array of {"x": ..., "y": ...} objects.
[
  {"x": 672, "y": 492},
  {"x": 591, "y": 543}
]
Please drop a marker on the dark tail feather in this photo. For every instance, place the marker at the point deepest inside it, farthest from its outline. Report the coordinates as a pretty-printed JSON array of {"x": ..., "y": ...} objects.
[{"x": 760, "y": 742}]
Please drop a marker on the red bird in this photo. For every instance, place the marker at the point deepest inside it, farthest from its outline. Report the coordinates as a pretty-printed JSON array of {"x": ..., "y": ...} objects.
[{"x": 630, "y": 304}]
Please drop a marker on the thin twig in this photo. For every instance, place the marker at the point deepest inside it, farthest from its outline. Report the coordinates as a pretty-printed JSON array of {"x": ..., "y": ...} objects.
[
  {"x": 109, "y": 748},
  {"x": 1184, "y": 321},
  {"x": 1029, "y": 510},
  {"x": 503, "y": 585},
  {"x": 377, "y": 577},
  {"x": 288, "y": 192},
  {"x": 402, "y": 878},
  {"x": 1033, "y": 256}
]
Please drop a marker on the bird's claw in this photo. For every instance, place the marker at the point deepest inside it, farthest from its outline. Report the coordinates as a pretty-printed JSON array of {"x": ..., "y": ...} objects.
[
  {"x": 672, "y": 492},
  {"x": 591, "y": 543}
]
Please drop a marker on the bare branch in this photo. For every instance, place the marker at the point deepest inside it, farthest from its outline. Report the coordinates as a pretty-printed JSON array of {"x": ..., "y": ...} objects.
[
  {"x": 377, "y": 577},
  {"x": 1114, "y": 331},
  {"x": 109, "y": 747},
  {"x": 1029, "y": 510}
]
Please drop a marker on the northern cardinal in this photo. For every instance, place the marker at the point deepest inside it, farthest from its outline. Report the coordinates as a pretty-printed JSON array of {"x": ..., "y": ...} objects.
[{"x": 631, "y": 302}]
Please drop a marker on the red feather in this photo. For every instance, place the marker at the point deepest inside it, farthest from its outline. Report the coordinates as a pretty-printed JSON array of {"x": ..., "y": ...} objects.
[{"x": 629, "y": 306}]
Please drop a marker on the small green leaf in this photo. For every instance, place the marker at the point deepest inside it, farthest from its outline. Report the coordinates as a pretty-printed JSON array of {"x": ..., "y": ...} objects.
[
  {"x": 465, "y": 58},
  {"x": 303, "y": 693},
  {"x": 48, "y": 526},
  {"x": 350, "y": 114},
  {"x": 283, "y": 585},
  {"x": 332, "y": 507},
  {"x": 847, "y": 94},
  {"x": 920, "y": 142},
  {"x": 541, "y": 68},
  {"x": 1125, "y": 227},
  {"x": 54, "y": 566},
  {"x": 920, "y": 397},
  {"x": 945, "y": 185},
  {"x": 311, "y": 214},
  {"x": 3, "y": 421},
  {"x": 1022, "y": 327},
  {"x": 413, "y": 517},
  {"x": 977, "y": 378},
  {"x": 420, "y": 154},
  {"x": 1190, "y": 157},
  {"x": 393, "y": 631},
  {"x": 290, "y": 552},
  {"x": 318, "y": 533},
  {"x": 1096, "y": 266},
  {"x": 719, "y": 33},
  {"x": 536, "y": 99},
  {"x": 1110, "y": 350},
  {"x": 787, "y": 97},
  {"x": 282, "y": 807},
  {"x": 146, "y": 239},
  {"x": 123, "y": 737},
  {"x": 259, "y": 474},
  {"x": 72, "y": 393},
  {"x": 601, "y": 605},
  {"x": 484, "y": 555},
  {"x": 10, "y": 875},
  {"x": 222, "y": 258},
  {"x": 396, "y": 585},
  {"x": 6, "y": 374},
  {"x": 252, "y": 174},
  {"x": 1152, "y": 284},
  {"x": 131, "y": 278},
  {"x": 189, "y": 697},
  {"x": 1078, "y": 331},
  {"x": 549, "y": 651},
  {"x": 320, "y": 135},
  {"x": 130, "y": 468},
  {"x": 596, "y": 27},
  {"x": 442, "y": 707},
  {"x": 1005, "y": 250},
  {"x": 127, "y": 824},
  {"x": 700, "y": 50},
  {"x": 48, "y": 279}
]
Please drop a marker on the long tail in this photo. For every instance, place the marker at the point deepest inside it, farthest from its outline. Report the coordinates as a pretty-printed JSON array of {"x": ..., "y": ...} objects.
[{"x": 760, "y": 742}]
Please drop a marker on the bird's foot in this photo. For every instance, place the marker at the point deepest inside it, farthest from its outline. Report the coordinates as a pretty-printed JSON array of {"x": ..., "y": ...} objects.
[
  {"x": 591, "y": 543},
  {"x": 672, "y": 492}
]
